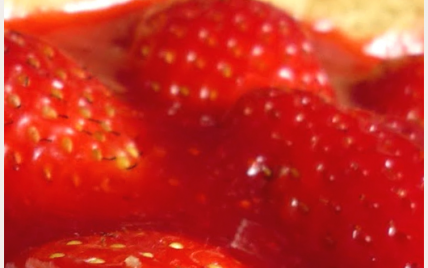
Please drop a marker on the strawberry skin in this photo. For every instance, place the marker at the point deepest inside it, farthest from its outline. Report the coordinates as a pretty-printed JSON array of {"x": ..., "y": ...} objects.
[
  {"x": 348, "y": 190},
  {"x": 78, "y": 160},
  {"x": 395, "y": 87},
  {"x": 71, "y": 149},
  {"x": 132, "y": 249},
  {"x": 197, "y": 57}
]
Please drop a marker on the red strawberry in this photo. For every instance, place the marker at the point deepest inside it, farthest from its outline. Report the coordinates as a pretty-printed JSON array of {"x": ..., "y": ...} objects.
[
  {"x": 73, "y": 163},
  {"x": 197, "y": 57},
  {"x": 131, "y": 249},
  {"x": 71, "y": 149},
  {"x": 396, "y": 87},
  {"x": 350, "y": 192}
]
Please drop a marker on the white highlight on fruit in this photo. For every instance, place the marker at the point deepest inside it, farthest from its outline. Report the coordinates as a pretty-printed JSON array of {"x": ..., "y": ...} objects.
[
  {"x": 256, "y": 166},
  {"x": 57, "y": 84},
  {"x": 257, "y": 51},
  {"x": 286, "y": 73}
]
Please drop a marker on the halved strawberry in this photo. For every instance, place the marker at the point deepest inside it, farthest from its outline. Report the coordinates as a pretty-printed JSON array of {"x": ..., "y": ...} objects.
[
  {"x": 349, "y": 191},
  {"x": 197, "y": 57},
  {"x": 395, "y": 87},
  {"x": 131, "y": 249}
]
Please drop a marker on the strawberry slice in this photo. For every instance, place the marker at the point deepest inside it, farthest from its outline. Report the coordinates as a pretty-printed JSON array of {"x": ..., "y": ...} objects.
[
  {"x": 199, "y": 56},
  {"x": 395, "y": 87},
  {"x": 349, "y": 191},
  {"x": 131, "y": 249}
]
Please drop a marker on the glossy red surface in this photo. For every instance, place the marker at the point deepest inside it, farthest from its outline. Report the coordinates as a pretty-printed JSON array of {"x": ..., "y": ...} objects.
[
  {"x": 280, "y": 179},
  {"x": 128, "y": 249}
]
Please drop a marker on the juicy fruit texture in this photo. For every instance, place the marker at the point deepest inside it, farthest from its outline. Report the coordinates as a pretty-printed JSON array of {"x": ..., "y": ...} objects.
[
  {"x": 350, "y": 192},
  {"x": 132, "y": 249},
  {"x": 78, "y": 160},
  {"x": 396, "y": 87},
  {"x": 283, "y": 180},
  {"x": 64, "y": 134},
  {"x": 198, "y": 57}
]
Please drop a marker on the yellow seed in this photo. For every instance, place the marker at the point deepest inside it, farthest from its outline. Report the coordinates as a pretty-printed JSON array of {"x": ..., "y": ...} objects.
[
  {"x": 118, "y": 246},
  {"x": 79, "y": 125},
  {"x": 267, "y": 171},
  {"x": 123, "y": 162},
  {"x": 74, "y": 243},
  {"x": 88, "y": 96},
  {"x": 34, "y": 134},
  {"x": 79, "y": 73},
  {"x": 141, "y": 233},
  {"x": 99, "y": 136},
  {"x": 176, "y": 245},
  {"x": 95, "y": 260},
  {"x": 132, "y": 150},
  {"x": 147, "y": 255},
  {"x": 61, "y": 74},
  {"x": 226, "y": 71},
  {"x": 184, "y": 91},
  {"x": 96, "y": 153},
  {"x": 56, "y": 255},
  {"x": 85, "y": 112},
  {"x": 49, "y": 112},
  {"x": 14, "y": 100},
  {"x": 57, "y": 93},
  {"x": 17, "y": 157},
  {"x": 214, "y": 265},
  {"x": 295, "y": 173},
  {"x": 168, "y": 56},
  {"x": 33, "y": 62},
  {"x": 145, "y": 50},
  {"x": 24, "y": 80},
  {"x": 213, "y": 95},
  {"x": 67, "y": 144},
  {"x": 155, "y": 87},
  {"x": 106, "y": 126},
  {"x": 47, "y": 171},
  {"x": 49, "y": 52},
  {"x": 110, "y": 111}
]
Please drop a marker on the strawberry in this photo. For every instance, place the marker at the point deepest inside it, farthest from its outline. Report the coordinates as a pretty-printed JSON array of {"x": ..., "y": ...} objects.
[
  {"x": 133, "y": 249},
  {"x": 78, "y": 160},
  {"x": 349, "y": 191},
  {"x": 197, "y": 57},
  {"x": 395, "y": 87},
  {"x": 71, "y": 149}
]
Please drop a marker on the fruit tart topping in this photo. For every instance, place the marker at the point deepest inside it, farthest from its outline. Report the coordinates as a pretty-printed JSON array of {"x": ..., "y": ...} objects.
[{"x": 200, "y": 56}]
